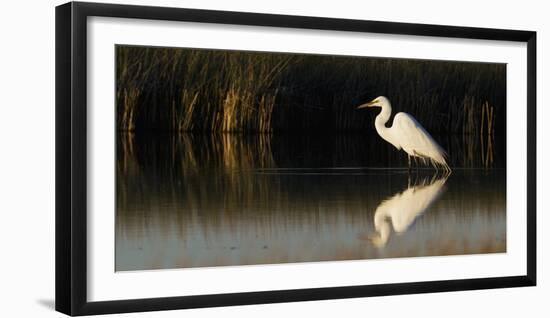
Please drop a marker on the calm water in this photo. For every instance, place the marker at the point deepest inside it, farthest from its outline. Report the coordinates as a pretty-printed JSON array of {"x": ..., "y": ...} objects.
[{"x": 194, "y": 200}]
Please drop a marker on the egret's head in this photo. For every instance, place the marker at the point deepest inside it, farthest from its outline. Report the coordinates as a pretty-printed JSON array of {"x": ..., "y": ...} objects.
[{"x": 377, "y": 102}]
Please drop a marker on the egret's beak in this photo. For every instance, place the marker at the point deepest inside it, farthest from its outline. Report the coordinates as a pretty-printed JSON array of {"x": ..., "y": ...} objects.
[{"x": 369, "y": 104}]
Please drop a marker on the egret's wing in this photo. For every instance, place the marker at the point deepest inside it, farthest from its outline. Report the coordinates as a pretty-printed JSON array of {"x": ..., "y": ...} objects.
[{"x": 415, "y": 139}]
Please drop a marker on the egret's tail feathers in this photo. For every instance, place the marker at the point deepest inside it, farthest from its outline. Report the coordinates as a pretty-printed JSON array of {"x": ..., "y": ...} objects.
[
  {"x": 443, "y": 165},
  {"x": 439, "y": 161}
]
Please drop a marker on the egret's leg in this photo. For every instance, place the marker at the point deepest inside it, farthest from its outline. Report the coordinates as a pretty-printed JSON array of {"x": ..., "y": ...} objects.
[
  {"x": 416, "y": 166},
  {"x": 434, "y": 165},
  {"x": 409, "y": 157},
  {"x": 434, "y": 177},
  {"x": 417, "y": 163}
]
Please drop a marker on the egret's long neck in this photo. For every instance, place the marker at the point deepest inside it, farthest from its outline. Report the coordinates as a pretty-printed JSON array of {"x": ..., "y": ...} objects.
[{"x": 381, "y": 120}]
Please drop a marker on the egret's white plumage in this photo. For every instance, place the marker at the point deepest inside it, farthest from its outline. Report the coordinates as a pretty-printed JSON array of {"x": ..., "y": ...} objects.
[{"x": 408, "y": 134}]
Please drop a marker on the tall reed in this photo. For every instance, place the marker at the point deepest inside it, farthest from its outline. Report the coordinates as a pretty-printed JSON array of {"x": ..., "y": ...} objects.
[{"x": 180, "y": 89}]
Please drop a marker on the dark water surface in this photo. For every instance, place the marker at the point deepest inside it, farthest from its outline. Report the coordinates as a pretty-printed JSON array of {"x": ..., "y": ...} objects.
[{"x": 196, "y": 200}]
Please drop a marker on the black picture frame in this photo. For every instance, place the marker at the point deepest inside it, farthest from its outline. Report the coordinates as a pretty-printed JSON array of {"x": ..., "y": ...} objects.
[{"x": 71, "y": 157}]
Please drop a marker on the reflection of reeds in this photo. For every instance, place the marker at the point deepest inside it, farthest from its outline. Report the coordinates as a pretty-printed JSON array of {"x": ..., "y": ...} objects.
[
  {"x": 229, "y": 189},
  {"x": 239, "y": 166},
  {"x": 179, "y": 159},
  {"x": 163, "y": 162},
  {"x": 235, "y": 91}
]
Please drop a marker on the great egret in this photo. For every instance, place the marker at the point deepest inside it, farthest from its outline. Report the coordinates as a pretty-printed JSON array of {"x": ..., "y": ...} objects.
[{"x": 408, "y": 134}]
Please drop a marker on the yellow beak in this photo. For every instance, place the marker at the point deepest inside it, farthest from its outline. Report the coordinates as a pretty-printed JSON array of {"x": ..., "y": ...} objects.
[{"x": 369, "y": 104}]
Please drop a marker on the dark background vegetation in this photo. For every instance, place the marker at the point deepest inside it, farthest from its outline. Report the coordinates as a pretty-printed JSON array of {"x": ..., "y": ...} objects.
[
  {"x": 175, "y": 89},
  {"x": 312, "y": 100}
]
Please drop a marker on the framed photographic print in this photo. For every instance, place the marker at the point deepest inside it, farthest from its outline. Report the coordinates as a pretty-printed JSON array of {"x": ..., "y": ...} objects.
[{"x": 208, "y": 158}]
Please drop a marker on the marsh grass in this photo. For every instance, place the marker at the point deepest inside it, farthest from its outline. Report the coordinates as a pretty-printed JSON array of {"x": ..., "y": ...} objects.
[
  {"x": 174, "y": 89},
  {"x": 193, "y": 90}
]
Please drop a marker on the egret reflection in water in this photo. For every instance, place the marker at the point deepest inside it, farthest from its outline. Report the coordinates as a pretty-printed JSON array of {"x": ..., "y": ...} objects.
[
  {"x": 402, "y": 209},
  {"x": 194, "y": 201}
]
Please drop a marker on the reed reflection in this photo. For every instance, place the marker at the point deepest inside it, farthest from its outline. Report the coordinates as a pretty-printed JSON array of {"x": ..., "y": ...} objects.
[{"x": 188, "y": 200}]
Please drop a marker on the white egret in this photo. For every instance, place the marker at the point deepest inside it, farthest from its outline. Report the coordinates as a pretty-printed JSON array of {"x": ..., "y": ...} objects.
[{"x": 408, "y": 134}]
